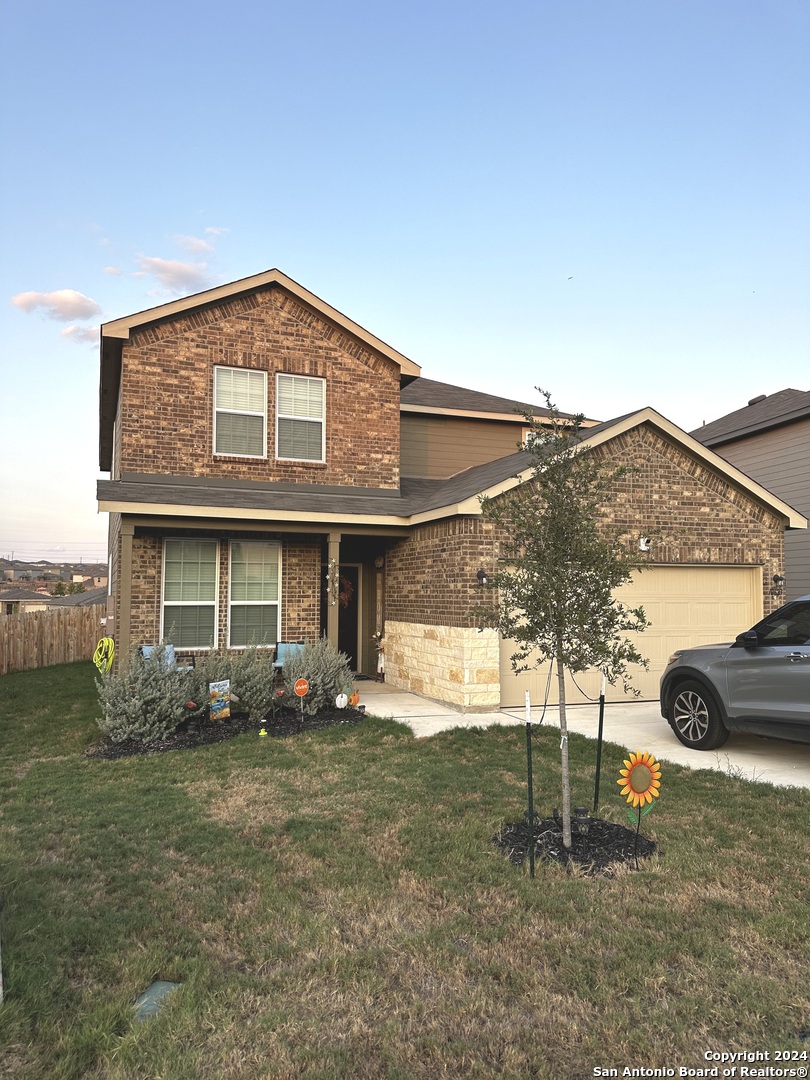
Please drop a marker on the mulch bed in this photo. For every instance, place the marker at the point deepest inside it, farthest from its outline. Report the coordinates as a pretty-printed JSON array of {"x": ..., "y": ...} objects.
[
  {"x": 287, "y": 723},
  {"x": 598, "y": 852}
]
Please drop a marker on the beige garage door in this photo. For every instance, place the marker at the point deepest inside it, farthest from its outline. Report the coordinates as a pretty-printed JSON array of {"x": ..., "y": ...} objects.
[{"x": 686, "y": 605}]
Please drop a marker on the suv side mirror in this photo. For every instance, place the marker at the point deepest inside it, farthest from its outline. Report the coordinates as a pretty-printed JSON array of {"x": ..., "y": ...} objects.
[{"x": 748, "y": 640}]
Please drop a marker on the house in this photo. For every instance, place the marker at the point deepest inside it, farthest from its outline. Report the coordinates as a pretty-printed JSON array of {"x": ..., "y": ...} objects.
[
  {"x": 18, "y": 601},
  {"x": 278, "y": 472},
  {"x": 769, "y": 439}
]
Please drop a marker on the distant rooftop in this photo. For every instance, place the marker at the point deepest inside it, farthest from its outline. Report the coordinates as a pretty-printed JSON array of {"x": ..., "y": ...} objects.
[{"x": 761, "y": 413}]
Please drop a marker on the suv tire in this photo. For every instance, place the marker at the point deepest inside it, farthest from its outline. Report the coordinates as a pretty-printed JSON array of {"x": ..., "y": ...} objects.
[{"x": 694, "y": 716}]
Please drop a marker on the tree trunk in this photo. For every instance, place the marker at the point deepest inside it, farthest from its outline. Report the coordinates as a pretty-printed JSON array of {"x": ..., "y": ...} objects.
[{"x": 566, "y": 775}]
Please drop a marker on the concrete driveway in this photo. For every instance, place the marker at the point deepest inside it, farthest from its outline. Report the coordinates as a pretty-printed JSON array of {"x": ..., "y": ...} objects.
[{"x": 633, "y": 725}]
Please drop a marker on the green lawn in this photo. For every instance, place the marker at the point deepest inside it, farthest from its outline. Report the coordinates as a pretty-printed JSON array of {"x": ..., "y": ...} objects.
[{"x": 333, "y": 907}]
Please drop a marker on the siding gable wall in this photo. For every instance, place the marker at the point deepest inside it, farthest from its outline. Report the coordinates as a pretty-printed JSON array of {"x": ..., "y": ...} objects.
[
  {"x": 779, "y": 459},
  {"x": 437, "y": 447}
]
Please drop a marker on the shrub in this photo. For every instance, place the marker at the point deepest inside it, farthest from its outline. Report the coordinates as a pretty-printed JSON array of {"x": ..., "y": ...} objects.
[
  {"x": 251, "y": 675},
  {"x": 253, "y": 678},
  {"x": 326, "y": 670},
  {"x": 144, "y": 701}
]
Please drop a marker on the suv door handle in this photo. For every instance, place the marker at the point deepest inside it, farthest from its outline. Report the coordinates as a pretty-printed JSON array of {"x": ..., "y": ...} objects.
[{"x": 795, "y": 657}]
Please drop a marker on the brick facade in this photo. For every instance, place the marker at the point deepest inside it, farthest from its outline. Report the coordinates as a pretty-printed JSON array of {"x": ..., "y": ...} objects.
[
  {"x": 166, "y": 413},
  {"x": 300, "y": 577},
  {"x": 692, "y": 515},
  {"x": 431, "y": 576}
]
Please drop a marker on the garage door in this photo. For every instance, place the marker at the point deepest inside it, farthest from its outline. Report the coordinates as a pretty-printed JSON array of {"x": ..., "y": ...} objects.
[{"x": 686, "y": 605}]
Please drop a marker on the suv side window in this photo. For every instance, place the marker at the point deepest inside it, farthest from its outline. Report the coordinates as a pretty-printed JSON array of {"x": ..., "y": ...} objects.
[{"x": 790, "y": 626}]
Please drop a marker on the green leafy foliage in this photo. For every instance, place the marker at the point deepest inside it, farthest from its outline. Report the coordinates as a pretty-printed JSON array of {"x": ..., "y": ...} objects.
[
  {"x": 326, "y": 670},
  {"x": 560, "y": 566},
  {"x": 561, "y": 562}
]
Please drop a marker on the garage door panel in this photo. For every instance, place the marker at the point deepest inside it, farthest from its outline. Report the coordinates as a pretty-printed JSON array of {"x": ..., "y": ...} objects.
[{"x": 685, "y": 606}]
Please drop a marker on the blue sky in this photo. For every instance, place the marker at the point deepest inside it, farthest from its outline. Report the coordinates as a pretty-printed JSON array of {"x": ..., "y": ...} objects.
[{"x": 604, "y": 198}]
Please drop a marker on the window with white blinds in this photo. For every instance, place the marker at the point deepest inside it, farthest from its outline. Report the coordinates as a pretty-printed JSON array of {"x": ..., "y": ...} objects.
[
  {"x": 254, "y": 594},
  {"x": 240, "y": 412},
  {"x": 189, "y": 611},
  {"x": 300, "y": 418}
]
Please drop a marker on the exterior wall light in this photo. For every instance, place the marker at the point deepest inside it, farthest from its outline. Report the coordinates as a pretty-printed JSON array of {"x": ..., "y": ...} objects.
[
  {"x": 644, "y": 543},
  {"x": 483, "y": 578}
]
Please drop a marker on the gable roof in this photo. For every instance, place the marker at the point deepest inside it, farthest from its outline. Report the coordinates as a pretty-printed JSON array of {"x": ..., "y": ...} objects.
[
  {"x": 116, "y": 332},
  {"x": 461, "y": 493},
  {"x": 19, "y": 594},
  {"x": 429, "y": 396},
  {"x": 415, "y": 502},
  {"x": 760, "y": 414},
  {"x": 83, "y": 599}
]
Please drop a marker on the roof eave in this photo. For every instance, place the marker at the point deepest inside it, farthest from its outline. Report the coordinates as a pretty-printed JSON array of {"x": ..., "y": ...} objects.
[
  {"x": 795, "y": 520},
  {"x": 755, "y": 429},
  {"x": 122, "y": 328}
]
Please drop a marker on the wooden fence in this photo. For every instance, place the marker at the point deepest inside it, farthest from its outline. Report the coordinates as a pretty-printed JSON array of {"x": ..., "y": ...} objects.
[{"x": 59, "y": 635}]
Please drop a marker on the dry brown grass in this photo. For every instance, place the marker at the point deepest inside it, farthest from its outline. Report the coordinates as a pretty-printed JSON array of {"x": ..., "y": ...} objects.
[{"x": 334, "y": 908}]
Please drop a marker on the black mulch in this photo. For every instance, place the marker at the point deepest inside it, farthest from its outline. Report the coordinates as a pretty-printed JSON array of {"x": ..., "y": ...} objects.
[
  {"x": 288, "y": 722},
  {"x": 596, "y": 853}
]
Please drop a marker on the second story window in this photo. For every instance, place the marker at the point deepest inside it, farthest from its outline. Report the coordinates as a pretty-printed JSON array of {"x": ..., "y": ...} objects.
[
  {"x": 240, "y": 412},
  {"x": 300, "y": 418}
]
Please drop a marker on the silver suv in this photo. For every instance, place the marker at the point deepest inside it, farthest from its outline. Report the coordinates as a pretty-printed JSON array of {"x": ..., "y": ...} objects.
[{"x": 759, "y": 683}]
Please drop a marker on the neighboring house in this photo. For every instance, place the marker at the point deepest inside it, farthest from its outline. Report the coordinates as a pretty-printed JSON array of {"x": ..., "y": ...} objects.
[
  {"x": 18, "y": 601},
  {"x": 278, "y": 472},
  {"x": 769, "y": 440}
]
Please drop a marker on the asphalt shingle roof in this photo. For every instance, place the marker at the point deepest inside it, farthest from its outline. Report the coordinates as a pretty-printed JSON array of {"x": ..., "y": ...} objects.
[
  {"x": 441, "y": 395},
  {"x": 774, "y": 410}
]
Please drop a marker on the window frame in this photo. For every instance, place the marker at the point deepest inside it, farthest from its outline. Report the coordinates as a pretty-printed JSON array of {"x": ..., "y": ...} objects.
[
  {"x": 240, "y": 412},
  {"x": 254, "y": 603},
  {"x": 189, "y": 603},
  {"x": 304, "y": 419}
]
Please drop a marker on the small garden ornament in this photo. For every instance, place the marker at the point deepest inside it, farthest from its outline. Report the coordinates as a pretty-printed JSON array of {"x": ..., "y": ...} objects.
[{"x": 640, "y": 781}]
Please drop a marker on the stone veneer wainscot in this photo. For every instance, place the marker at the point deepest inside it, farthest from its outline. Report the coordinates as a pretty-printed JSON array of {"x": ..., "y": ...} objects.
[{"x": 456, "y": 665}]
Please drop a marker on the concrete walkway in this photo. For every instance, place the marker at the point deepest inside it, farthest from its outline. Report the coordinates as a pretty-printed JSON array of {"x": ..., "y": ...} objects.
[{"x": 633, "y": 725}]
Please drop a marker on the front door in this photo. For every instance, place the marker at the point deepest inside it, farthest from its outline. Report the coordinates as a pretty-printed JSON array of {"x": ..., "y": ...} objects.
[{"x": 349, "y": 613}]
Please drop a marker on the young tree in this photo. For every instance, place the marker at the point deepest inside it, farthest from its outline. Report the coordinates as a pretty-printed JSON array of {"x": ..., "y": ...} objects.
[{"x": 560, "y": 566}]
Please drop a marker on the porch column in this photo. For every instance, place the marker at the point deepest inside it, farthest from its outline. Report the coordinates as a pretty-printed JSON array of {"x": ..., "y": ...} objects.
[
  {"x": 332, "y": 577},
  {"x": 124, "y": 612}
]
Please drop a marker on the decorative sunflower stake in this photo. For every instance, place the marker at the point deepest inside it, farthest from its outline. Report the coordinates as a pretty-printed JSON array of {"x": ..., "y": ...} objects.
[{"x": 640, "y": 781}]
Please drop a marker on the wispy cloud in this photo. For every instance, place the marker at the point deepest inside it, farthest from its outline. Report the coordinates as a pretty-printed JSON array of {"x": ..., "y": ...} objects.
[
  {"x": 113, "y": 271},
  {"x": 194, "y": 244},
  {"x": 62, "y": 305},
  {"x": 174, "y": 276},
  {"x": 80, "y": 335}
]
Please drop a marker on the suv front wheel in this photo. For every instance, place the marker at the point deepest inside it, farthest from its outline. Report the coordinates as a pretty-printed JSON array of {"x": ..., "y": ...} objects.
[{"x": 694, "y": 716}]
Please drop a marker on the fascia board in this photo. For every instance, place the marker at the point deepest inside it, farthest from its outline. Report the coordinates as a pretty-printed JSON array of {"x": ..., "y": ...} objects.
[
  {"x": 516, "y": 417},
  {"x": 121, "y": 328},
  {"x": 470, "y": 507},
  {"x": 469, "y": 414},
  {"x": 235, "y": 513}
]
